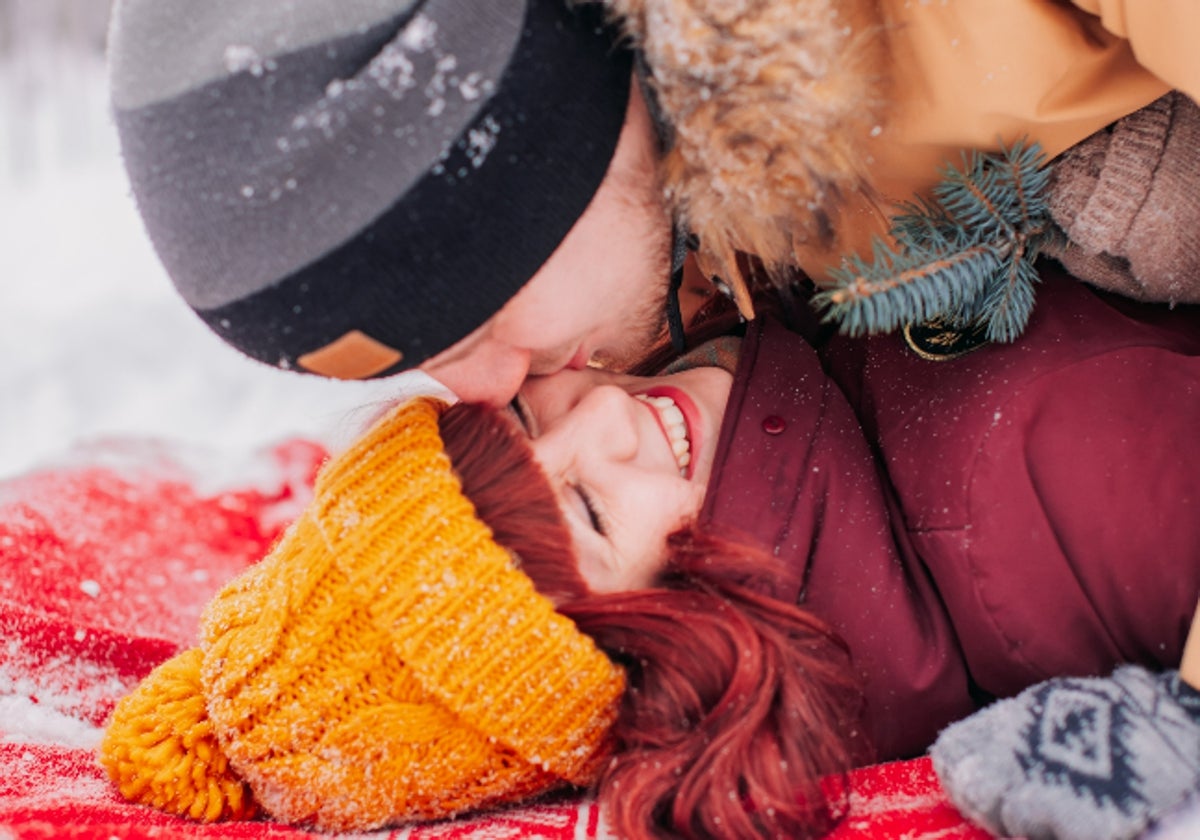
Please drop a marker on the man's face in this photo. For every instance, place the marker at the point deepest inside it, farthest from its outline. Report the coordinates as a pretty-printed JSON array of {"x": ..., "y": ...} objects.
[{"x": 601, "y": 295}]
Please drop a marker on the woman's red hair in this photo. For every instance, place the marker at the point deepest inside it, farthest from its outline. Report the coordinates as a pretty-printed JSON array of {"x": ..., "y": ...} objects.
[{"x": 741, "y": 714}]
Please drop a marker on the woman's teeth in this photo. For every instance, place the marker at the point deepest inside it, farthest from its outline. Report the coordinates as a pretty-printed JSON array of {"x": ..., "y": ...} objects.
[{"x": 675, "y": 426}]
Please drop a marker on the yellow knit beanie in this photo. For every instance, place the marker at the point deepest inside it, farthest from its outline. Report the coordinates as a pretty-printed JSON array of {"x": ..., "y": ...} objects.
[{"x": 386, "y": 662}]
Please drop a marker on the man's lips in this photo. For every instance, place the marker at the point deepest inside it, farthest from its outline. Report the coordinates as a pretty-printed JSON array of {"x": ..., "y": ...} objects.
[
  {"x": 688, "y": 456},
  {"x": 580, "y": 359}
]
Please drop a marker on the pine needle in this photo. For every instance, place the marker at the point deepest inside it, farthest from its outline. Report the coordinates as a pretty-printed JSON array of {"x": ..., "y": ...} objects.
[{"x": 966, "y": 256}]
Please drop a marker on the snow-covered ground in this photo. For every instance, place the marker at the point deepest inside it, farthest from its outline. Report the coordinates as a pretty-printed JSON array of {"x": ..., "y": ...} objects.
[{"x": 93, "y": 340}]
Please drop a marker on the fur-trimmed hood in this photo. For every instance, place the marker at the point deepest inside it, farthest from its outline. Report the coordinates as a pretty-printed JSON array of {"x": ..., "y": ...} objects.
[
  {"x": 772, "y": 103},
  {"x": 799, "y": 124}
]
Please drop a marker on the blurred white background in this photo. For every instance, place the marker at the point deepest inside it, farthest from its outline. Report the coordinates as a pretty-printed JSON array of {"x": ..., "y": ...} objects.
[{"x": 93, "y": 340}]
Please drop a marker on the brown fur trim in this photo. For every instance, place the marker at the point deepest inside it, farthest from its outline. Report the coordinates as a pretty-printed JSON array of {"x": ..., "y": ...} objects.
[{"x": 772, "y": 102}]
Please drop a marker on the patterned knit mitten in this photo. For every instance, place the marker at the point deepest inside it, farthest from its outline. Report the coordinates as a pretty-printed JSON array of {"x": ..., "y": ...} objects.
[
  {"x": 1128, "y": 200},
  {"x": 1075, "y": 758}
]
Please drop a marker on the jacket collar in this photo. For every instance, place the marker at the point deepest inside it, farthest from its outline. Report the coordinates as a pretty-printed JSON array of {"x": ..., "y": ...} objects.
[{"x": 763, "y": 463}]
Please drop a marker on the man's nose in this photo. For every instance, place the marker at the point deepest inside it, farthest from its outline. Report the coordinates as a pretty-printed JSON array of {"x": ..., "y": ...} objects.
[{"x": 491, "y": 373}]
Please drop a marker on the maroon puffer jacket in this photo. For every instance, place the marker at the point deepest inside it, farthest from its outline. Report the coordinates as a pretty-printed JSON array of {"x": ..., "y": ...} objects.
[{"x": 976, "y": 525}]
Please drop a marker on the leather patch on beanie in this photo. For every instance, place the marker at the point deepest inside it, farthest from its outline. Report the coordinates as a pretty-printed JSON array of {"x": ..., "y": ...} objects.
[{"x": 353, "y": 356}]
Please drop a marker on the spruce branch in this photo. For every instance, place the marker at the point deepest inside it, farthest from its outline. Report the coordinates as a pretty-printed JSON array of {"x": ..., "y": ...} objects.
[{"x": 964, "y": 256}]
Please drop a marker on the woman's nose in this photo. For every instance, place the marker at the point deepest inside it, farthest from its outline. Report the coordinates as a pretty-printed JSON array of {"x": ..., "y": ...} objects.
[{"x": 604, "y": 421}]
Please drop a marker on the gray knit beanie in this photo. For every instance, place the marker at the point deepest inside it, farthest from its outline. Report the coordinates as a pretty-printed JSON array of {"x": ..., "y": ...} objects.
[{"x": 348, "y": 187}]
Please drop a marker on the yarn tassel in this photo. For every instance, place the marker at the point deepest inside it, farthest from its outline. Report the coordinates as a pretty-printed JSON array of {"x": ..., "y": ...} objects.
[{"x": 160, "y": 748}]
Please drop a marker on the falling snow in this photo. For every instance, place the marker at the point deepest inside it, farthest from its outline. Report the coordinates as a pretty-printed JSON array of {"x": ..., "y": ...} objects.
[{"x": 240, "y": 58}]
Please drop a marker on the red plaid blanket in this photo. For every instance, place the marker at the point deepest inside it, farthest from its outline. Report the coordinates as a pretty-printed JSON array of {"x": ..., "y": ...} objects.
[{"x": 106, "y": 561}]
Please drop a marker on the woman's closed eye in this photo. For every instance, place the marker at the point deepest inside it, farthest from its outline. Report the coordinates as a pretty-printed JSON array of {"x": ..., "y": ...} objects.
[
  {"x": 578, "y": 497},
  {"x": 595, "y": 516},
  {"x": 525, "y": 417}
]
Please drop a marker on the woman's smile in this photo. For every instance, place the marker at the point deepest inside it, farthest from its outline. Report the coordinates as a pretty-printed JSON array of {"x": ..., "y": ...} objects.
[{"x": 678, "y": 417}]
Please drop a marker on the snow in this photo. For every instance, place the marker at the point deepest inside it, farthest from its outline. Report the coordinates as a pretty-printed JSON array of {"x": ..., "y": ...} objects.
[
  {"x": 94, "y": 341},
  {"x": 27, "y": 722}
]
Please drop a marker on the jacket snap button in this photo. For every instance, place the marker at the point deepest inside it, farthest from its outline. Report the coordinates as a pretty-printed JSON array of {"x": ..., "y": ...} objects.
[{"x": 774, "y": 424}]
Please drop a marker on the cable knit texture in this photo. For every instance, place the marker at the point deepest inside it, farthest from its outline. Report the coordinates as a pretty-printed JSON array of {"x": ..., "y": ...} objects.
[
  {"x": 387, "y": 662},
  {"x": 1126, "y": 198}
]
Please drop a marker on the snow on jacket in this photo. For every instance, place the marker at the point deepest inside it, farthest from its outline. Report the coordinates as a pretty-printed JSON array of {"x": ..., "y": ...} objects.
[
  {"x": 800, "y": 123},
  {"x": 975, "y": 525}
]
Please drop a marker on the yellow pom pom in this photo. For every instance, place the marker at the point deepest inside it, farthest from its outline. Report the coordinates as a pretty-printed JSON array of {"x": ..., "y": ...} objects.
[{"x": 160, "y": 749}]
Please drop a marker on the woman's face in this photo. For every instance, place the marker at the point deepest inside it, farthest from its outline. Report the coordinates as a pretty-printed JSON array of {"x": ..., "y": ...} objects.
[{"x": 629, "y": 459}]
